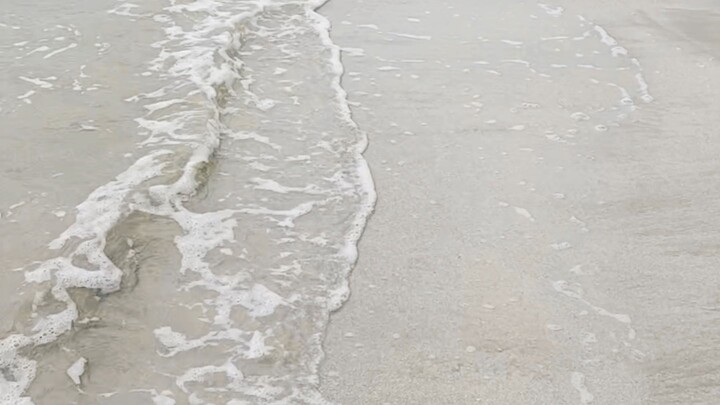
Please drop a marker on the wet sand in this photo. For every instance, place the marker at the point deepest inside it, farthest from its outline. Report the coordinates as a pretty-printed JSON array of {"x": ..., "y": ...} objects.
[
  {"x": 546, "y": 229},
  {"x": 183, "y": 190}
]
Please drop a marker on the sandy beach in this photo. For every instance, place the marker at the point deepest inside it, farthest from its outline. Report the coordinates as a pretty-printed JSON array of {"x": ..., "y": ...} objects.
[
  {"x": 546, "y": 229},
  {"x": 184, "y": 192}
]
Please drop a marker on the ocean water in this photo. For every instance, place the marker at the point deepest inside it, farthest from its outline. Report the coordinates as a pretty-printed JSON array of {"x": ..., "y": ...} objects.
[{"x": 183, "y": 194}]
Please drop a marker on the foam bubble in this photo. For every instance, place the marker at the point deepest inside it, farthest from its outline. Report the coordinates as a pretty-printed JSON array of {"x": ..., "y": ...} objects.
[{"x": 200, "y": 63}]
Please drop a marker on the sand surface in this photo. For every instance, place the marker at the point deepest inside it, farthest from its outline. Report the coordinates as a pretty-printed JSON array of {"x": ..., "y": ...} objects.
[
  {"x": 183, "y": 190},
  {"x": 547, "y": 223}
]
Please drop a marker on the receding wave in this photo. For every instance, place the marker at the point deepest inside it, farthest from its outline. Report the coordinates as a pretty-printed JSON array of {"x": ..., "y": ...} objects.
[{"x": 206, "y": 271}]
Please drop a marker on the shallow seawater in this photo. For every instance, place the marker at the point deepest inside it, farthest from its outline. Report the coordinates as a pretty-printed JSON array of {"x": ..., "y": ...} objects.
[{"x": 183, "y": 193}]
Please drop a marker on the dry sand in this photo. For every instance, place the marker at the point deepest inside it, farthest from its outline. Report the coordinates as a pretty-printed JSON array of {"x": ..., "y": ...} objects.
[{"x": 537, "y": 239}]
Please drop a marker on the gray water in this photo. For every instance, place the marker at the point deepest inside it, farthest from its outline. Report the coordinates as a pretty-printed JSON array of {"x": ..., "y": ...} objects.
[{"x": 183, "y": 192}]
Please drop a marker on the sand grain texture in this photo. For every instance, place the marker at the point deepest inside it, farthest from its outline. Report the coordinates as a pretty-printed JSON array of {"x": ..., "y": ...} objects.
[{"x": 596, "y": 121}]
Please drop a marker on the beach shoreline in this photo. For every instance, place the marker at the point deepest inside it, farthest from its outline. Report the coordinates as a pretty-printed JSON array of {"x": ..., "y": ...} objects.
[{"x": 528, "y": 164}]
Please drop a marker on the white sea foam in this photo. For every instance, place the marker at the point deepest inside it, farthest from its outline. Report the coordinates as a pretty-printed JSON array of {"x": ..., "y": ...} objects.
[
  {"x": 362, "y": 169},
  {"x": 411, "y": 36},
  {"x": 524, "y": 213},
  {"x": 199, "y": 65},
  {"x": 511, "y": 42},
  {"x": 577, "y": 380},
  {"x": 617, "y": 50},
  {"x": 43, "y": 83},
  {"x": 555, "y": 11},
  {"x": 562, "y": 286},
  {"x": 61, "y": 50},
  {"x": 76, "y": 370}
]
